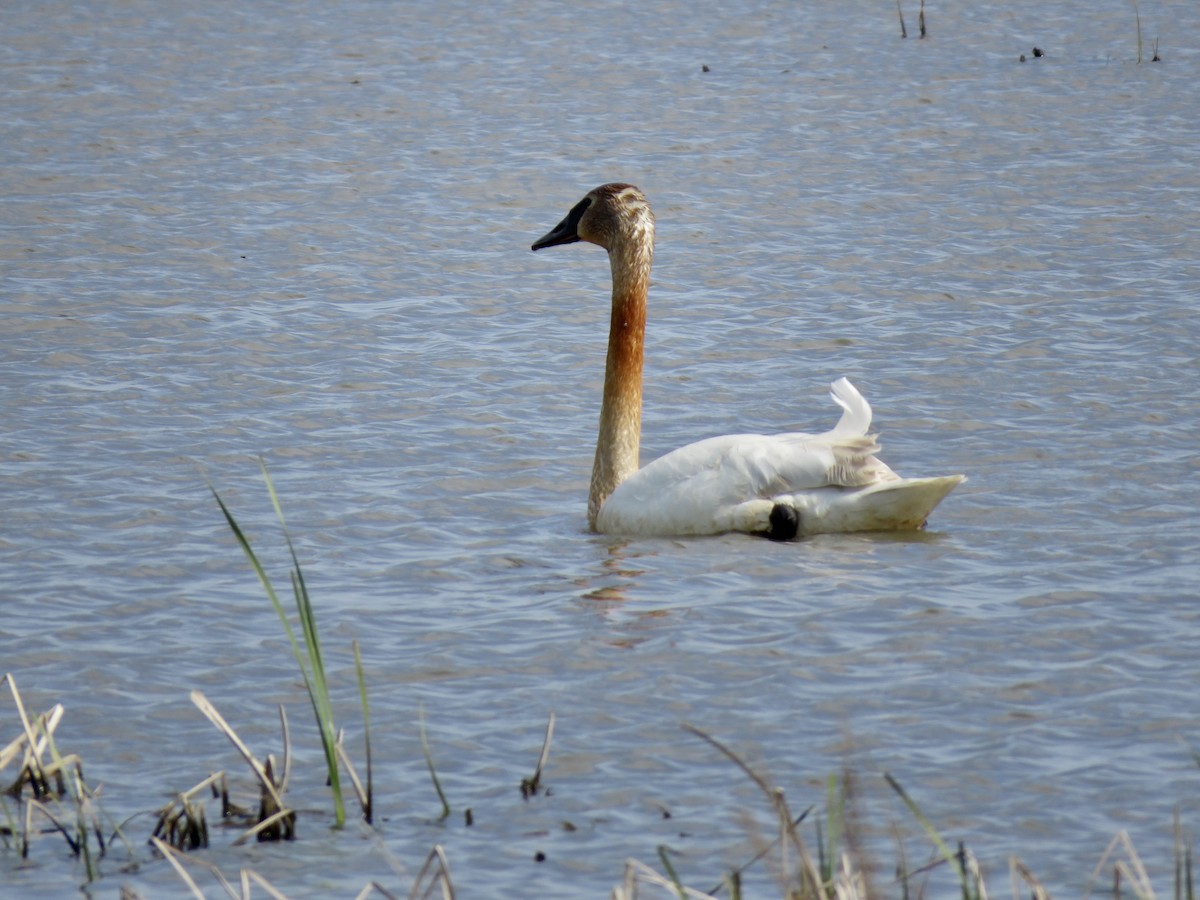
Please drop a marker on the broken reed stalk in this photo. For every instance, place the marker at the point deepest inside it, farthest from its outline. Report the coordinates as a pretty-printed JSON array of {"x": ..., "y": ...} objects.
[
  {"x": 359, "y": 791},
  {"x": 1036, "y": 891},
  {"x": 530, "y": 786},
  {"x": 176, "y": 857},
  {"x": 1130, "y": 869},
  {"x": 172, "y": 856},
  {"x": 50, "y": 781},
  {"x": 186, "y": 828},
  {"x": 437, "y": 867},
  {"x": 309, "y": 658},
  {"x": 276, "y": 821}
]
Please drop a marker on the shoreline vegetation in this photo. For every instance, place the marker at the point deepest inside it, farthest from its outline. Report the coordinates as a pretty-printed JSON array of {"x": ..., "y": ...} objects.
[{"x": 49, "y": 795}]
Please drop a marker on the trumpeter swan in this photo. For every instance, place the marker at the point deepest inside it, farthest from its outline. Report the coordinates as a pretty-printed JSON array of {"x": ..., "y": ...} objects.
[{"x": 782, "y": 485}]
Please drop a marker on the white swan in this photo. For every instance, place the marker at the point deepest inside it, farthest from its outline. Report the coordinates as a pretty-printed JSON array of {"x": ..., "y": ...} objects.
[{"x": 781, "y": 486}]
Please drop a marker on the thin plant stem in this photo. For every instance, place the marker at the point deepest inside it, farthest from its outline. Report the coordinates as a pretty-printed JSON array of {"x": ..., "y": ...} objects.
[
  {"x": 1137, "y": 15},
  {"x": 369, "y": 805},
  {"x": 437, "y": 785}
]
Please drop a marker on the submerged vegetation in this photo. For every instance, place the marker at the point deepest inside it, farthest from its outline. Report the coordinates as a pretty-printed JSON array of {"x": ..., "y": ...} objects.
[{"x": 45, "y": 794}]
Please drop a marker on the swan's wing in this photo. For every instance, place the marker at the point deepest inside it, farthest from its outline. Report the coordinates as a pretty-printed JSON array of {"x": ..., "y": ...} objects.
[
  {"x": 732, "y": 483},
  {"x": 694, "y": 489}
]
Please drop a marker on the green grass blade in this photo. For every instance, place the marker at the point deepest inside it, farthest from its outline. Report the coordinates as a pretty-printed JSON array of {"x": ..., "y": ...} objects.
[
  {"x": 949, "y": 855},
  {"x": 308, "y": 657},
  {"x": 319, "y": 685},
  {"x": 835, "y": 807},
  {"x": 264, "y": 580},
  {"x": 368, "y": 810},
  {"x": 671, "y": 873},
  {"x": 437, "y": 785}
]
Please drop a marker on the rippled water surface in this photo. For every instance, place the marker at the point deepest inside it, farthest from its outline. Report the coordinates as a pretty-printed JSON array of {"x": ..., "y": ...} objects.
[{"x": 302, "y": 230}]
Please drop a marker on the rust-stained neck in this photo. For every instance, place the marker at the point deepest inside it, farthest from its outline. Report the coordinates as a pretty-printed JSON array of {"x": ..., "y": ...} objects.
[{"x": 621, "y": 411}]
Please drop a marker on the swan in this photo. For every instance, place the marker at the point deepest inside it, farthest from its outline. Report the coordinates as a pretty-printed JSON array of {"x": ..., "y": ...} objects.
[{"x": 782, "y": 486}]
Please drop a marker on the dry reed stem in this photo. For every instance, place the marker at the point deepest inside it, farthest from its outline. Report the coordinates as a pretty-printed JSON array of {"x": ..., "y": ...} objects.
[
  {"x": 246, "y": 877},
  {"x": 1017, "y": 869},
  {"x": 1131, "y": 869},
  {"x": 375, "y": 887},
  {"x": 195, "y": 828},
  {"x": 249, "y": 875},
  {"x": 530, "y": 786},
  {"x": 37, "y": 739},
  {"x": 271, "y": 808},
  {"x": 787, "y": 824},
  {"x": 438, "y": 868},
  {"x": 172, "y": 856},
  {"x": 78, "y": 825},
  {"x": 202, "y": 703},
  {"x": 638, "y": 873},
  {"x": 359, "y": 791}
]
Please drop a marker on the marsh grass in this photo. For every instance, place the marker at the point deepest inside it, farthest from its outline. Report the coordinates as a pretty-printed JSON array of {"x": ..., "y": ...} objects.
[
  {"x": 963, "y": 862},
  {"x": 50, "y": 787},
  {"x": 833, "y": 866},
  {"x": 182, "y": 822},
  {"x": 51, "y": 796},
  {"x": 275, "y": 821},
  {"x": 247, "y": 879},
  {"x": 801, "y": 876}
]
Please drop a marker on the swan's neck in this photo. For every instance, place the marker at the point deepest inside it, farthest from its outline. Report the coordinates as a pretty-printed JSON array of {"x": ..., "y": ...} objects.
[{"x": 621, "y": 410}]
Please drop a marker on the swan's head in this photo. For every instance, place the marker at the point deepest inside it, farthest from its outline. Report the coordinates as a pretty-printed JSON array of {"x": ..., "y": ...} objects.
[{"x": 611, "y": 216}]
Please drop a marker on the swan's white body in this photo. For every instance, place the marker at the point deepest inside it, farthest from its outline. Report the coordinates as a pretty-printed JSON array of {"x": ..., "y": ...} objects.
[
  {"x": 782, "y": 485},
  {"x": 832, "y": 481}
]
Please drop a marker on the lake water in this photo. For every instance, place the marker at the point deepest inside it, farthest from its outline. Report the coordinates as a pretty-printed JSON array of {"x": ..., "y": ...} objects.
[{"x": 302, "y": 230}]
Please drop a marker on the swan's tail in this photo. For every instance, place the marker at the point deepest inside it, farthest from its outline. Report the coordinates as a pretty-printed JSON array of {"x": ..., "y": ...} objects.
[
  {"x": 900, "y": 505},
  {"x": 856, "y": 411}
]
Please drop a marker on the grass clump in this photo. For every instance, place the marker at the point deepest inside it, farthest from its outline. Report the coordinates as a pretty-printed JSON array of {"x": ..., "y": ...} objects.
[{"x": 50, "y": 791}]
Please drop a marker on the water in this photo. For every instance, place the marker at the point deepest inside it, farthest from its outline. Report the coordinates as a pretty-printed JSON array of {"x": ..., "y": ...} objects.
[{"x": 301, "y": 230}]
